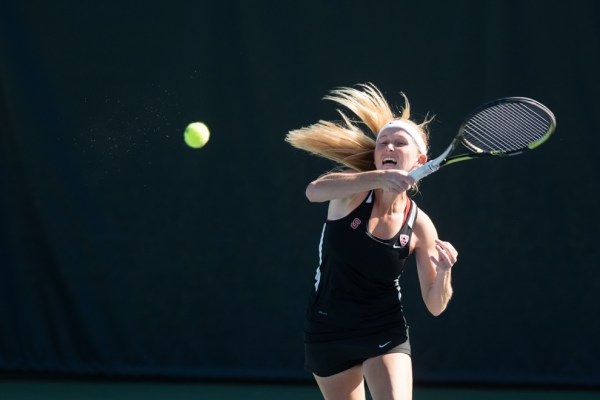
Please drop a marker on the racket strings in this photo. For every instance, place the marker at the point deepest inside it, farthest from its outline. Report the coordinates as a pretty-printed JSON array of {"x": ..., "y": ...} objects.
[{"x": 505, "y": 127}]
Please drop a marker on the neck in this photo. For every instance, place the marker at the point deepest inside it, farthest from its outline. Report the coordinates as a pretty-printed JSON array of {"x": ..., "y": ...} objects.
[{"x": 390, "y": 203}]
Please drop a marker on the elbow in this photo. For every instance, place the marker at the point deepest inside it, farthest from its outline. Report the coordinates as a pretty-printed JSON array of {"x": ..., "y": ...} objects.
[
  {"x": 312, "y": 193},
  {"x": 436, "y": 308},
  {"x": 437, "y": 311}
]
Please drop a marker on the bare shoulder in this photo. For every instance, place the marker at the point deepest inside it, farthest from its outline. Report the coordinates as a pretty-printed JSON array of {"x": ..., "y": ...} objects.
[
  {"x": 423, "y": 221},
  {"x": 424, "y": 229}
]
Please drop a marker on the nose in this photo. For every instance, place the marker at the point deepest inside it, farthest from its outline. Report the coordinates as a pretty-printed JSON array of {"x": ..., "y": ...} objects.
[{"x": 390, "y": 146}]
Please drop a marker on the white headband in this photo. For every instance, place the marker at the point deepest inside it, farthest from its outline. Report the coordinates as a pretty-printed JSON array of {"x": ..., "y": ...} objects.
[{"x": 408, "y": 128}]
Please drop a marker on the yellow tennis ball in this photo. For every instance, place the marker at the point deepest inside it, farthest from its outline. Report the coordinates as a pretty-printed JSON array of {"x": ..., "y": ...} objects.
[{"x": 196, "y": 135}]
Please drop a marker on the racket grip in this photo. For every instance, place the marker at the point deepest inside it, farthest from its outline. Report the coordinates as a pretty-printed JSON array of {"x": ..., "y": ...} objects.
[{"x": 424, "y": 170}]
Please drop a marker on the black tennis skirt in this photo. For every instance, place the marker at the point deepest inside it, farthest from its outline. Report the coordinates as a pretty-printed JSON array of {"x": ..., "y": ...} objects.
[{"x": 331, "y": 357}]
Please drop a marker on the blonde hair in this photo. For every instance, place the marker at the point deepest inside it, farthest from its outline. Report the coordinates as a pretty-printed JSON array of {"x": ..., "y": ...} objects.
[{"x": 344, "y": 142}]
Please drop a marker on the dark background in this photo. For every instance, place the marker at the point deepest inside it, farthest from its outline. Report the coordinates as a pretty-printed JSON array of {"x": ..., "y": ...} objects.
[{"x": 125, "y": 253}]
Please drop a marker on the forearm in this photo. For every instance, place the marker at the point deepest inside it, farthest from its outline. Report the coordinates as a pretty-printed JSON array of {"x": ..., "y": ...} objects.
[
  {"x": 435, "y": 260},
  {"x": 440, "y": 292},
  {"x": 341, "y": 185}
]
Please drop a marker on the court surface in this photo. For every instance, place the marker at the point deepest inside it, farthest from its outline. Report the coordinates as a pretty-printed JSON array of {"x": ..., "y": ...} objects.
[{"x": 21, "y": 389}]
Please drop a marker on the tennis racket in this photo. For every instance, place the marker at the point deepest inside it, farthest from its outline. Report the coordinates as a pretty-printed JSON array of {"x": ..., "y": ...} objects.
[{"x": 502, "y": 127}]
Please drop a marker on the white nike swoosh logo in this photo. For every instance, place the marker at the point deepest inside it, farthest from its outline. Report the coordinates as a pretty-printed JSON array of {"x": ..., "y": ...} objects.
[{"x": 381, "y": 346}]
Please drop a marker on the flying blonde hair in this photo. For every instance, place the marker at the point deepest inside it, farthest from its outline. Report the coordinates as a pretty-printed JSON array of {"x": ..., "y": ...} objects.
[{"x": 344, "y": 142}]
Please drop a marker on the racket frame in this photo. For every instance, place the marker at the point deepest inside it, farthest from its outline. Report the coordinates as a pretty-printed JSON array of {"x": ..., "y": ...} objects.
[{"x": 442, "y": 160}]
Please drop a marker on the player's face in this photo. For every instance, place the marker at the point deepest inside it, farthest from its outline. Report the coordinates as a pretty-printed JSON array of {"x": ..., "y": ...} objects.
[{"x": 395, "y": 149}]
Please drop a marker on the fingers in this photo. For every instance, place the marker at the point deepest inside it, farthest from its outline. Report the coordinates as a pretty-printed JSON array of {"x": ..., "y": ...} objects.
[
  {"x": 447, "y": 252},
  {"x": 446, "y": 247},
  {"x": 398, "y": 181}
]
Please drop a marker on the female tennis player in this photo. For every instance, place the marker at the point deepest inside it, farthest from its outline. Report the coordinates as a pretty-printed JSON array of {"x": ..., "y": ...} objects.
[{"x": 355, "y": 329}]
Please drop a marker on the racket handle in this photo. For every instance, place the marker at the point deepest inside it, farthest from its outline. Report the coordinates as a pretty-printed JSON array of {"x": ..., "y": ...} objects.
[{"x": 424, "y": 170}]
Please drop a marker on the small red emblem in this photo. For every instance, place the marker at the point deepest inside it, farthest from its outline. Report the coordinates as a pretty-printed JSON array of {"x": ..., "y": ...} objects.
[
  {"x": 403, "y": 240},
  {"x": 355, "y": 223}
]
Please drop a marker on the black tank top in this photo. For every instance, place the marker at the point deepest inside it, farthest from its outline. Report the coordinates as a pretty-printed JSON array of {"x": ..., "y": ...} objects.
[{"x": 356, "y": 290}]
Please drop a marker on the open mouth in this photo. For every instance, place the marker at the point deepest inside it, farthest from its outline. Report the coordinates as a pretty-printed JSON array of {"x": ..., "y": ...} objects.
[{"x": 388, "y": 161}]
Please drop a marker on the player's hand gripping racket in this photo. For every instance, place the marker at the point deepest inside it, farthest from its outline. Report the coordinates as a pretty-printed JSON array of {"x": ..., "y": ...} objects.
[{"x": 502, "y": 127}]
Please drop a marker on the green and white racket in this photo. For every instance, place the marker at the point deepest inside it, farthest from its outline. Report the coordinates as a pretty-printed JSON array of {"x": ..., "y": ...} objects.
[{"x": 503, "y": 127}]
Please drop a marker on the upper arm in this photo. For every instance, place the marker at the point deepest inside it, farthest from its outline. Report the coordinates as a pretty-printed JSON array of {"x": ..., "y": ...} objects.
[
  {"x": 426, "y": 254},
  {"x": 338, "y": 191},
  {"x": 327, "y": 186}
]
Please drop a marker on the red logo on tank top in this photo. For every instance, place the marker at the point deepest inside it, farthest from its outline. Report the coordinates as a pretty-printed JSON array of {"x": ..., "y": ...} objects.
[
  {"x": 354, "y": 224},
  {"x": 403, "y": 240}
]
